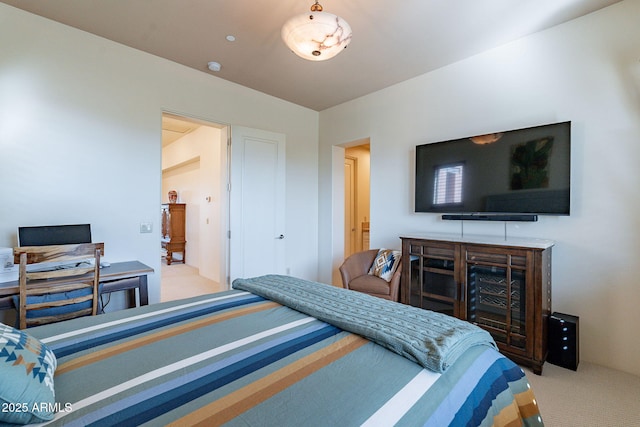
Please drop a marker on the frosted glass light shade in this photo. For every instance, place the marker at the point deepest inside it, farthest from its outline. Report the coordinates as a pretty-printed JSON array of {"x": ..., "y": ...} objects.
[{"x": 316, "y": 36}]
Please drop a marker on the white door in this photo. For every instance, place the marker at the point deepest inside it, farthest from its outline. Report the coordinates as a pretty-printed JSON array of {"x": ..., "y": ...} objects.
[{"x": 257, "y": 203}]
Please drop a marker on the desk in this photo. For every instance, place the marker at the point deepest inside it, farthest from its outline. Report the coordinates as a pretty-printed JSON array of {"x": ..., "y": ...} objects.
[{"x": 119, "y": 276}]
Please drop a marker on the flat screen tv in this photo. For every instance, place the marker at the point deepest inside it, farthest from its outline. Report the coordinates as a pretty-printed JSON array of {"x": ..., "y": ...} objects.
[{"x": 523, "y": 171}]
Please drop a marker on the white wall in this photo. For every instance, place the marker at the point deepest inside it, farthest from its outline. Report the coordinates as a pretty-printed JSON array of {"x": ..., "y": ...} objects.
[
  {"x": 80, "y": 132},
  {"x": 586, "y": 71}
]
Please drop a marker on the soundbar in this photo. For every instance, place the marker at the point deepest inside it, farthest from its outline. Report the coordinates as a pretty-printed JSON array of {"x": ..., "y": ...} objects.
[{"x": 491, "y": 217}]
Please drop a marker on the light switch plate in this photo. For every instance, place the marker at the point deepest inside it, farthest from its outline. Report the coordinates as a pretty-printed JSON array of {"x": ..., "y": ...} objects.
[{"x": 146, "y": 227}]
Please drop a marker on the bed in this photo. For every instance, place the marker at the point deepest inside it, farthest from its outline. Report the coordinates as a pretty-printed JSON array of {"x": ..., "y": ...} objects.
[{"x": 273, "y": 351}]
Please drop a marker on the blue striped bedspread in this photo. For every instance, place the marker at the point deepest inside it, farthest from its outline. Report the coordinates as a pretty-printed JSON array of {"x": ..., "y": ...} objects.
[{"x": 236, "y": 358}]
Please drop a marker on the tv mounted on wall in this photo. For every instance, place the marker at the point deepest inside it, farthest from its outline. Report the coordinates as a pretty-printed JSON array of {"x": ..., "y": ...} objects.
[{"x": 510, "y": 175}]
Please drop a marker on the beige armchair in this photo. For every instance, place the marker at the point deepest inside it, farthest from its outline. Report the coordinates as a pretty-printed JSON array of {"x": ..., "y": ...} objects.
[{"x": 354, "y": 271}]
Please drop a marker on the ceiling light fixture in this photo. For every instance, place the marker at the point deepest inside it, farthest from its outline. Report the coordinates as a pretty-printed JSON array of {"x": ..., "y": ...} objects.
[{"x": 316, "y": 36}]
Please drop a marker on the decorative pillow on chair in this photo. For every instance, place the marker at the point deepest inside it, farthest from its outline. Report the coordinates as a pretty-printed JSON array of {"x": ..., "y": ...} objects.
[
  {"x": 385, "y": 264},
  {"x": 26, "y": 378}
]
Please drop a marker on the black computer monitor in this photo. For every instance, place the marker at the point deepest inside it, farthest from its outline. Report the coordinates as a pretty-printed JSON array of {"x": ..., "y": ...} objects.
[{"x": 44, "y": 235}]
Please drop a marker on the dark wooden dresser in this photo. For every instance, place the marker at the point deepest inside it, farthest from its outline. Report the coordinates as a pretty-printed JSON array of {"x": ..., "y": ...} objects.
[
  {"x": 174, "y": 230},
  {"x": 503, "y": 286}
]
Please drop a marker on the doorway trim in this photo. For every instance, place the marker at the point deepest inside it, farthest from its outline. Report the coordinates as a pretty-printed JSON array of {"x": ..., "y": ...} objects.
[
  {"x": 350, "y": 204},
  {"x": 338, "y": 224}
]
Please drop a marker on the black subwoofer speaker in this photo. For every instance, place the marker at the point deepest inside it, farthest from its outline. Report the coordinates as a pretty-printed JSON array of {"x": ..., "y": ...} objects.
[{"x": 563, "y": 340}]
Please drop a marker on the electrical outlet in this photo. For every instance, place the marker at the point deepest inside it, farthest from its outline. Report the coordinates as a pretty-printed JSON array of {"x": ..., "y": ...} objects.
[{"x": 146, "y": 227}]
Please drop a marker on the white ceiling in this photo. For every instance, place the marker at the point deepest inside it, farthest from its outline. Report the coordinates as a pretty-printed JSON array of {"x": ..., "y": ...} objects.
[{"x": 392, "y": 41}]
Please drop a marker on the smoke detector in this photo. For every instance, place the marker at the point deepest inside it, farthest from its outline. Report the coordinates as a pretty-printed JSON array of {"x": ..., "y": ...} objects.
[{"x": 214, "y": 66}]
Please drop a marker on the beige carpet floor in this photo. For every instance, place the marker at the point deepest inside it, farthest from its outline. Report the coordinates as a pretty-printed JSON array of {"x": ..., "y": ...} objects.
[{"x": 592, "y": 396}]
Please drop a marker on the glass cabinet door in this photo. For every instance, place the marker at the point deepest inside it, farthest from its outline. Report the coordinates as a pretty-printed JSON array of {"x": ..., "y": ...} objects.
[
  {"x": 497, "y": 297},
  {"x": 433, "y": 280}
]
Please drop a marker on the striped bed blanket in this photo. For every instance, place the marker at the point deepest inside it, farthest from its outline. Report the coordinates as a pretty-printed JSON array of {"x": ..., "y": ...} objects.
[{"x": 239, "y": 359}]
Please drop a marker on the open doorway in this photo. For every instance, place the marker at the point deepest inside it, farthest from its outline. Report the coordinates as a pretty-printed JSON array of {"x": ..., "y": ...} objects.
[
  {"x": 357, "y": 197},
  {"x": 194, "y": 166}
]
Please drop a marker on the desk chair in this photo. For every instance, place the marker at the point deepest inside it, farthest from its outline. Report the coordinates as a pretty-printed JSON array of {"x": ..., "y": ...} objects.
[{"x": 53, "y": 294}]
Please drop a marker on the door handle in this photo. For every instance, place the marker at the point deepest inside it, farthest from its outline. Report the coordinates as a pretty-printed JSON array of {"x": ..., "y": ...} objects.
[{"x": 280, "y": 237}]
